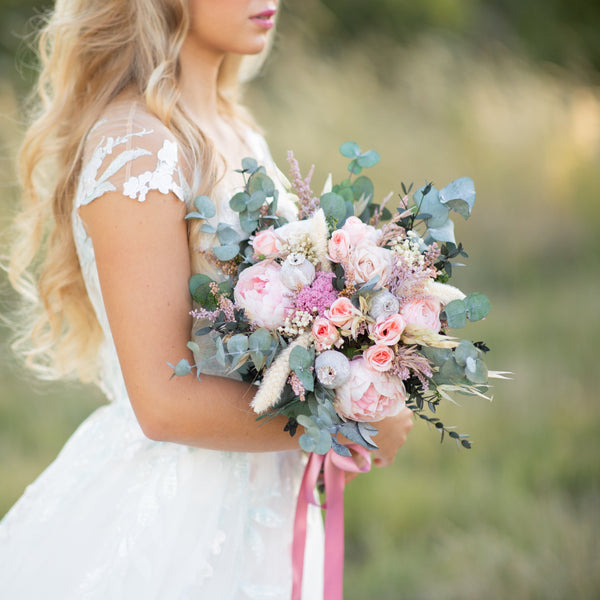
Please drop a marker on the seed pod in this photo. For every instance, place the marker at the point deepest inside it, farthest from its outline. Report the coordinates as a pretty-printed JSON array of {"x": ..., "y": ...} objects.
[
  {"x": 332, "y": 369},
  {"x": 297, "y": 271}
]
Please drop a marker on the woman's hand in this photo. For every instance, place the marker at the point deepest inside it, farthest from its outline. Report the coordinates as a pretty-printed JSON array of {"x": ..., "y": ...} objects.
[{"x": 393, "y": 432}]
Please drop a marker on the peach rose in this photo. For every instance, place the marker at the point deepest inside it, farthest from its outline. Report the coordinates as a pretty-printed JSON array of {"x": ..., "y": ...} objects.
[
  {"x": 379, "y": 357},
  {"x": 339, "y": 245},
  {"x": 342, "y": 311},
  {"x": 422, "y": 311},
  {"x": 325, "y": 333},
  {"x": 388, "y": 330},
  {"x": 368, "y": 260},
  {"x": 266, "y": 243},
  {"x": 358, "y": 231},
  {"x": 369, "y": 395}
]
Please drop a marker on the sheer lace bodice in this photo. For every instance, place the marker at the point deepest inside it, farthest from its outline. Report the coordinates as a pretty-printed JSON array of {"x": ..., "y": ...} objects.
[{"x": 119, "y": 516}]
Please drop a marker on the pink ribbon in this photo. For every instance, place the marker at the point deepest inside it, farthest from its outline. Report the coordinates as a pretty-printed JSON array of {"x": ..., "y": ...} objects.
[{"x": 334, "y": 467}]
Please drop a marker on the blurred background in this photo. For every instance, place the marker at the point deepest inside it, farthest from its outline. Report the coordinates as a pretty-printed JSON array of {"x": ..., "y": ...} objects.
[{"x": 506, "y": 92}]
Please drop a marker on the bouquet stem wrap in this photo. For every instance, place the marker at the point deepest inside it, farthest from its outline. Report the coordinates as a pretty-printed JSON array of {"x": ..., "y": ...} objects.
[{"x": 334, "y": 467}]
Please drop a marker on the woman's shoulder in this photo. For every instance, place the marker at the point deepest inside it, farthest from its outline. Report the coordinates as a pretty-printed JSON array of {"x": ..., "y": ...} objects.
[{"x": 129, "y": 149}]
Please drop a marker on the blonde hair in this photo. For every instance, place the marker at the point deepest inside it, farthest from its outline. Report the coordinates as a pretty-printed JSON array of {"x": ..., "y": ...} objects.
[{"x": 90, "y": 52}]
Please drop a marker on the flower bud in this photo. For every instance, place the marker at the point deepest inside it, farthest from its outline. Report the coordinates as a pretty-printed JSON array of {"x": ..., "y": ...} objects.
[{"x": 332, "y": 369}]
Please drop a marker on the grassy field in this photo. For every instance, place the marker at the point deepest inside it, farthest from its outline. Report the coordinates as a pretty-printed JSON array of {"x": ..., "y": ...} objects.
[{"x": 518, "y": 515}]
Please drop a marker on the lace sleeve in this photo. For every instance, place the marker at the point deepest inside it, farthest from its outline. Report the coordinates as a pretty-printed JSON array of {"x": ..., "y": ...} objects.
[{"x": 132, "y": 152}]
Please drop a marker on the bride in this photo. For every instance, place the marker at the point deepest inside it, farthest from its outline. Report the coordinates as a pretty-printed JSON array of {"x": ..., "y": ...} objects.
[{"x": 171, "y": 490}]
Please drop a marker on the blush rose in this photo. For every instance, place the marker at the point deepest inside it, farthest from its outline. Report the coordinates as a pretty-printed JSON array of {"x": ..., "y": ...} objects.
[
  {"x": 424, "y": 312},
  {"x": 369, "y": 395},
  {"x": 389, "y": 330},
  {"x": 325, "y": 333},
  {"x": 379, "y": 357},
  {"x": 342, "y": 311}
]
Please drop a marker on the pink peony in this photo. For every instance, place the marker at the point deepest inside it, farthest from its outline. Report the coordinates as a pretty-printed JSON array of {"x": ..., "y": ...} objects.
[
  {"x": 358, "y": 231},
  {"x": 424, "y": 312},
  {"x": 388, "y": 330},
  {"x": 369, "y": 395},
  {"x": 342, "y": 311},
  {"x": 379, "y": 357},
  {"x": 266, "y": 243},
  {"x": 339, "y": 245},
  {"x": 325, "y": 333},
  {"x": 261, "y": 294},
  {"x": 368, "y": 260}
]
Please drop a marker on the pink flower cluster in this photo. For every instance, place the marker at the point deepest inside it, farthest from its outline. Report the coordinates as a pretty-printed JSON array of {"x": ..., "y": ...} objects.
[{"x": 318, "y": 296}]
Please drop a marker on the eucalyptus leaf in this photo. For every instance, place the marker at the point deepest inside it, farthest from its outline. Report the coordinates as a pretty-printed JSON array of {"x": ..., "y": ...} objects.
[
  {"x": 193, "y": 346},
  {"x": 220, "y": 356},
  {"x": 350, "y": 149},
  {"x": 354, "y": 167},
  {"x": 306, "y": 422},
  {"x": 300, "y": 358},
  {"x": 205, "y": 206},
  {"x": 257, "y": 199},
  {"x": 452, "y": 371},
  {"x": 323, "y": 442},
  {"x": 340, "y": 448},
  {"x": 249, "y": 164},
  {"x": 333, "y": 206},
  {"x": 306, "y": 379},
  {"x": 367, "y": 431},
  {"x": 368, "y": 159},
  {"x": 478, "y": 306},
  {"x": 427, "y": 198},
  {"x": 307, "y": 443},
  {"x": 444, "y": 233},
  {"x": 258, "y": 358},
  {"x": 237, "y": 343},
  {"x": 193, "y": 215},
  {"x": 465, "y": 351},
  {"x": 227, "y": 234},
  {"x": 456, "y": 314},
  {"x": 247, "y": 223},
  {"x": 197, "y": 280},
  {"x": 226, "y": 252},
  {"x": 462, "y": 189},
  {"x": 260, "y": 181},
  {"x": 438, "y": 356},
  {"x": 239, "y": 202},
  {"x": 182, "y": 368},
  {"x": 206, "y": 228},
  {"x": 477, "y": 372},
  {"x": 260, "y": 340}
]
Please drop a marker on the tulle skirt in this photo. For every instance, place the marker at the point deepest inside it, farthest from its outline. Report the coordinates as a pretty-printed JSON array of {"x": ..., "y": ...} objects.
[{"x": 117, "y": 516}]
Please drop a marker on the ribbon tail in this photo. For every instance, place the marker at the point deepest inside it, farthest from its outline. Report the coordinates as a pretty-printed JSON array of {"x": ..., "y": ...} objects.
[
  {"x": 305, "y": 496},
  {"x": 335, "y": 481}
]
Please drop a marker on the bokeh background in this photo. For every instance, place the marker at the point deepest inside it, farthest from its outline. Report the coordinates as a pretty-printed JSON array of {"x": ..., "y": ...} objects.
[{"x": 506, "y": 92}]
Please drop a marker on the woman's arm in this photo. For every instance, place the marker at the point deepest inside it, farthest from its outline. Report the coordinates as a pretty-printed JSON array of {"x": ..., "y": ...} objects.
[
  {"x": 142, "y": 256},
  {"x": 143, "y": 264}
]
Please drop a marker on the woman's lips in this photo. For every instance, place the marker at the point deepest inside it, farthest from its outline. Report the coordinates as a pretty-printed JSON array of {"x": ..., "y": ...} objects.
[{"x": 265, "y": 19}]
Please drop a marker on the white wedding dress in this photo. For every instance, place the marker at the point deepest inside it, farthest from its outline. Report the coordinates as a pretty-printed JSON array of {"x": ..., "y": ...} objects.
[{"x": 120, "y": 517}]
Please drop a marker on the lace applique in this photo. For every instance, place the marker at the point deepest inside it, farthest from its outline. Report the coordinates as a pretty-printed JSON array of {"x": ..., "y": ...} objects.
[
  {"x": 160, "y": 179},
  {"x": 93, "y": 186}
]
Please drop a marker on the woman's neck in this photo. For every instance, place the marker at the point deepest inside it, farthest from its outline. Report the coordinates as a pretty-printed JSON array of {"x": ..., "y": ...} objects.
[{"x": 198, "y": 83}]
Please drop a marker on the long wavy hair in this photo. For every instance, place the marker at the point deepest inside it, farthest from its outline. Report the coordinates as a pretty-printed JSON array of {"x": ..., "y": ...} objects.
[{"x": 91, "y": 51}]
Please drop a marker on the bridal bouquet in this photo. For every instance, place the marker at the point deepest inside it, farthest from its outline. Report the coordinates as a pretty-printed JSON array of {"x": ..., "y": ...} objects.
[{"x": 344, "y": 316}]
